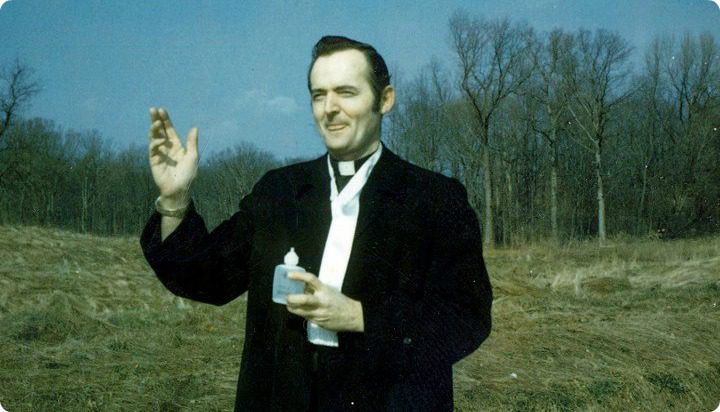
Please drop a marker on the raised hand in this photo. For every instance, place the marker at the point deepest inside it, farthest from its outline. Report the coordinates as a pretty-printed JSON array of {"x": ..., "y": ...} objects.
[{"x": 173, "y": 166}]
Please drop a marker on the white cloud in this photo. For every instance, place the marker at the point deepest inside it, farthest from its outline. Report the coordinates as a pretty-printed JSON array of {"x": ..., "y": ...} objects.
[
  {"x": 260, "y": 100},
  {"x": 90, "y": 105},
  {"x": 284, "y": 104}
]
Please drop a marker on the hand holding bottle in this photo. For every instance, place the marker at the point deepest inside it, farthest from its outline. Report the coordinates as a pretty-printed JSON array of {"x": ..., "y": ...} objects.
[{"x": 282, "y": 285}]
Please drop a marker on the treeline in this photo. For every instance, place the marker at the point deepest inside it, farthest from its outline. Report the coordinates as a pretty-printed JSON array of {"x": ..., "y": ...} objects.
[
  {"x": 557, "y": 135},
  {"x": 78, "y": 182}
]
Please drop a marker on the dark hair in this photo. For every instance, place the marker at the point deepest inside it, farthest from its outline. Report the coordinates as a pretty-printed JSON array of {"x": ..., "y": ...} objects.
[{"x": 379, "y": 75}]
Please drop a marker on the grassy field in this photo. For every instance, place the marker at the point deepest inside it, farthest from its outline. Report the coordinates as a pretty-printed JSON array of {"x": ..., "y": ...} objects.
[{"x": 633, "y": 325}]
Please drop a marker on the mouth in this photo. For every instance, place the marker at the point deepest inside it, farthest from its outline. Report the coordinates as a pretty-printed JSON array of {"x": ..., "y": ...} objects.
[{"x": 335, "y": 127}]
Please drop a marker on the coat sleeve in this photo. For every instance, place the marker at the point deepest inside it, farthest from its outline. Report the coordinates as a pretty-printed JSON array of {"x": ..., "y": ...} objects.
[
  {"x": 202, "y": 266},
  {"x": 453, "y": 316}
]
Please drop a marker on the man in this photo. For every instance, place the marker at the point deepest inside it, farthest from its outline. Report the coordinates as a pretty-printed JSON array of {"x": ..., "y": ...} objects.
[{"x": 396, "y": 289}]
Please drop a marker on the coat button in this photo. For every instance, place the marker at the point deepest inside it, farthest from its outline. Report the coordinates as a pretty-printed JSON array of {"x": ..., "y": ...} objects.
[{"x": 407, "y": 341}]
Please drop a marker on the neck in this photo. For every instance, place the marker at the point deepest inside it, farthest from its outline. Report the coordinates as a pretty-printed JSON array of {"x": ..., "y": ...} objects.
[{"x": 372, "y": 148}]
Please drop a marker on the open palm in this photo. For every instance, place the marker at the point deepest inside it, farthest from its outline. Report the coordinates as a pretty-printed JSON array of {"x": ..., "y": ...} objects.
[{"x": 173, "y": 166}]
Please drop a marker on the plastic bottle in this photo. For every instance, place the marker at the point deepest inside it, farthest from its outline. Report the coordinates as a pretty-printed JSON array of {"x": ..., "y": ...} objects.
[{"x": 282, "y": 286}]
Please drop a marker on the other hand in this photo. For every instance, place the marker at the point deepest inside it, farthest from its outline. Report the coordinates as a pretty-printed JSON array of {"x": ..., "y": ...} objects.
[
  {"x": 325, "y": 306},
  {"x": 173, "y": 166}
]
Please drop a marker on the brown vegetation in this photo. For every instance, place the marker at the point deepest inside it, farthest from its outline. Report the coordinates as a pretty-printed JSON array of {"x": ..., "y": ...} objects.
[{"x": 632, "y": 325}]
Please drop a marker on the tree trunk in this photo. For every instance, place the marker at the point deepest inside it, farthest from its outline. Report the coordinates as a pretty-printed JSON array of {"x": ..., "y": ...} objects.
[
  {"x": 641, "y": 207},
  {"x": 553, "y": 202},
  {"x": 600, "y": 194},
  {"x": 489, "y": 238},
  {"x": 513, "y": 221},
  {"x": 553, "y": 195},
  {"x": 84, "y": 210}
]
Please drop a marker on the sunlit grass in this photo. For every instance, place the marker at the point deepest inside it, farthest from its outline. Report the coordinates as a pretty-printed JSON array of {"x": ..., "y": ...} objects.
[{"x": 631, "y": 325}]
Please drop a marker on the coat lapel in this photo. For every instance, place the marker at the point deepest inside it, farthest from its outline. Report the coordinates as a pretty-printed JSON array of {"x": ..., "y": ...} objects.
[
  {"x": 312, "y": 215},
  {"x": 383, "y": 191},
  {"x": 381, "y": 199}
]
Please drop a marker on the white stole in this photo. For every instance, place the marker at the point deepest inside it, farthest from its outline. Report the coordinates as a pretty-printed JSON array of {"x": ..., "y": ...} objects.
[{"x": 345, "y": 207}]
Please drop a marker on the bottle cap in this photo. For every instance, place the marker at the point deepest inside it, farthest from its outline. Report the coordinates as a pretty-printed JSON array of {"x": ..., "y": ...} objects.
[{"x": 291, "y": 258}]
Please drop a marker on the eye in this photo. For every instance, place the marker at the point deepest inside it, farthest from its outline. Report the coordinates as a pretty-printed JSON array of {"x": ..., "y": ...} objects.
[{"x": 317, "y": 96}]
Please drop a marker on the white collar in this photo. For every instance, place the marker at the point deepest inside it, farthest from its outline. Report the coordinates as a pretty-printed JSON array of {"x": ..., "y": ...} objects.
[{"x": 356, "y": 183}]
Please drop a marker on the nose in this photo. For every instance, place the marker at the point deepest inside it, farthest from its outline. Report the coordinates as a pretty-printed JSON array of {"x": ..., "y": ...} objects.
[{"x": 331, "y": 105}]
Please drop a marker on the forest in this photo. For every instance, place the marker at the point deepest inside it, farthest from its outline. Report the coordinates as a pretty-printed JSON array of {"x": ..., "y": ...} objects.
[{"x": 556, "y": 135}]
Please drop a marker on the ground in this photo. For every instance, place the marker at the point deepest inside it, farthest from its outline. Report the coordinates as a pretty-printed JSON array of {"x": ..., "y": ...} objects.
[{"x": 631, "y": 325}]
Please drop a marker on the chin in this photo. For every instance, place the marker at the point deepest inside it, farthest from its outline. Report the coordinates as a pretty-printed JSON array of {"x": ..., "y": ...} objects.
[
  {"x": 336, "y": 146},
  {"x": 342, "y": 153},
  {"x": 338, "y": 153}
]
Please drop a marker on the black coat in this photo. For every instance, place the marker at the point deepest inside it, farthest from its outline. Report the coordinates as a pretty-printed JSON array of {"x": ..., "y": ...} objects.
[{"x": 416, "y": 266}]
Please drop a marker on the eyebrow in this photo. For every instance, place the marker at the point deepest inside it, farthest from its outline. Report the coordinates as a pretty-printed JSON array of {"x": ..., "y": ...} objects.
[{"x": 341, "y": 88}]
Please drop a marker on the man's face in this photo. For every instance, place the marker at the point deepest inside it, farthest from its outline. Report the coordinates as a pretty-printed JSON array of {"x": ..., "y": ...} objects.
[{"x": 342, "y": 104}]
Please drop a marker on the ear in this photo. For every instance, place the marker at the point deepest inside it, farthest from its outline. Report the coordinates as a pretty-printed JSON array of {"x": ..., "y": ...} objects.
[{"x": 387, "y": 99}]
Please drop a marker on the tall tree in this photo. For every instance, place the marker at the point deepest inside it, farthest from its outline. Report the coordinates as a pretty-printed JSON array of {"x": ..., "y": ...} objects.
[
  {"x": 693, "y": 72},
  {"x": 419, "y": 125},
  {"x": 547, "y": 90},
  {"x": 494, "y": 64},
  {"x": 17, "y": 87},
  {"x": 228, "y": 176},
  {"x": 595, "y": 77},
  {"x": 644, "y": 127}
]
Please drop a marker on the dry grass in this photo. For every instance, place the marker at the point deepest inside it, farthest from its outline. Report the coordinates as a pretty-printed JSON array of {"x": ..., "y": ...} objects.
[
  {"x": 86, "y": 326},
  {"x": 633, "y": 325}
]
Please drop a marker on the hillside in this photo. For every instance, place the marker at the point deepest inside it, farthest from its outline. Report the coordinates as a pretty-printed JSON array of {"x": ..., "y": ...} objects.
[{"x": 634, "y": 325}]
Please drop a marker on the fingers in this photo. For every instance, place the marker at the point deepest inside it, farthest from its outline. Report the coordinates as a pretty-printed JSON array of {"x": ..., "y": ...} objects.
[
  {"x": 155, "y": 143},
  {"x": 308, "y": 307},
  {"x": 302, "y": 301},
  {"x": 164, "y": 126},
  {"x": 308, "y": 278},
  {"x": 153, "y": 114},
  {"x": 161, "y": 127},
  {"x": 155, "y": 149},
  {"x": 156, "y": 127},
  {"x": 158, "y": 142},
  {"x": 167, "y": 125},
  {"x": 159, "y": 145}
]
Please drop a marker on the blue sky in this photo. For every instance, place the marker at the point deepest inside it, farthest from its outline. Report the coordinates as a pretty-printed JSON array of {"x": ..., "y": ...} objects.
[{"x": 236, "y": 69}]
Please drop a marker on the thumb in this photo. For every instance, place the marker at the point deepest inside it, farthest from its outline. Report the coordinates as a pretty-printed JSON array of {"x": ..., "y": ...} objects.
[{"x": 192, "y": 141}]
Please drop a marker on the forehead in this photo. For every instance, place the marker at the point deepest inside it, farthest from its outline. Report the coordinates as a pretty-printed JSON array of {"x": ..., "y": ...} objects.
[{"x": 346, "y": 67}]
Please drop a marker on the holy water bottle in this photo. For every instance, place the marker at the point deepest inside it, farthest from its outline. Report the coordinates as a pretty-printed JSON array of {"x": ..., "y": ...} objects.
[{"x": 282, "y": 286}]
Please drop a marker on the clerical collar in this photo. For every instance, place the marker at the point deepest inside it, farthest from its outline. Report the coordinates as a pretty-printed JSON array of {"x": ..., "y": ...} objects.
[{"x": 347, "y": 168}]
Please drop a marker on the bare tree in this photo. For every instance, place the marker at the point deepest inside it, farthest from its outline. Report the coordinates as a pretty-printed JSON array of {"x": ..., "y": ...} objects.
[
  {"x": 227, "y": 176},
  {"x": 419, "y": 126},
  {"x": 645, "y": 127},
  {"x": 520, "y": 156},
  {"x": 493, "y": 65},
  {"x": 18, "y": 87},
  {"x": 693, "y": 73},
  {"x": 595, "y": 78},
  {"x": 547, "y": 91}
]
